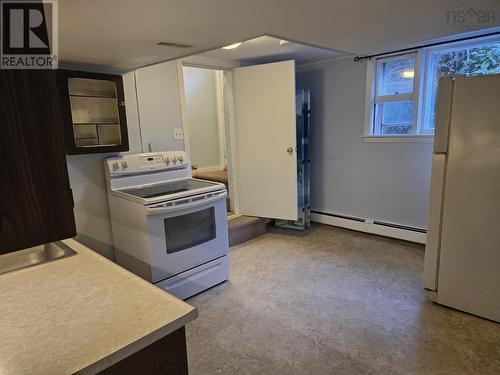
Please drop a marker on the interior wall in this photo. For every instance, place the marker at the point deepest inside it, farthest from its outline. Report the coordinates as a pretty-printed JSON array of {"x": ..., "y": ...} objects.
[
  {"x": 201, "y": 109},
  {"x": 86, "y": 175},
  {"x": 386, "y": 181},
  {"x": 161, "y": 113},
  {"x": 159, "y": 103}
]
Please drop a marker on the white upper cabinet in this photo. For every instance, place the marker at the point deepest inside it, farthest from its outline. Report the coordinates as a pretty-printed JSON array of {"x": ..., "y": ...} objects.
[{"x": 159, "y": 103}]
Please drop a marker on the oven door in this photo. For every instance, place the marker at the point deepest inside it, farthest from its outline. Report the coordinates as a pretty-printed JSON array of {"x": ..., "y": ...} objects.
[{"x": 187, "y": 232}]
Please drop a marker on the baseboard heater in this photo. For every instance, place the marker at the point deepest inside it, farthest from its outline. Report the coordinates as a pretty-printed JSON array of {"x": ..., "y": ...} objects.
[
  {"x": 381, "y": 228},
  {"x": 405, "y": 227}
]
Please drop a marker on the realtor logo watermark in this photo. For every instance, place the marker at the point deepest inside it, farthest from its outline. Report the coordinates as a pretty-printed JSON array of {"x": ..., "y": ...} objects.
[
  {"x": 29, "y": 34},
  {"x": 470, "y": 16}
]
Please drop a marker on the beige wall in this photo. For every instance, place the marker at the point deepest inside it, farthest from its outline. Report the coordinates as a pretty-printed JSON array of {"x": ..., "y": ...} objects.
[
  {"x": 159, "y": 103},
  {"x": 202, "y": 118},
  {"x": 86, "y": 175}
]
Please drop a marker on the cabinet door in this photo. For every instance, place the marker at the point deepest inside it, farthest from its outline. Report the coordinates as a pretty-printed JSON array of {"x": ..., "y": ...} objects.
[
  {"x": 36, "y": 201},
  {"x": 93, "y": 108},
  {"x": 158, "y": 99},
  {"x": 168, "y": 355}
]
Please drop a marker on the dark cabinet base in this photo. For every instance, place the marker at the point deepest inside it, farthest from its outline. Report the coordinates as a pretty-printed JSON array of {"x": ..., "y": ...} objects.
[{"x": 167, "y": 356}]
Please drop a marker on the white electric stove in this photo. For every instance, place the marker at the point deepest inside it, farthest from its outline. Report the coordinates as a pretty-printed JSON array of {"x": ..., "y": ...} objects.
[{"x": 168, "y": 228}]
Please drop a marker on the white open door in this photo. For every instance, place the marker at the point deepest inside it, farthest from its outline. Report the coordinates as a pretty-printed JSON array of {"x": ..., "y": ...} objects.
[{"x": 265, "y": 140}]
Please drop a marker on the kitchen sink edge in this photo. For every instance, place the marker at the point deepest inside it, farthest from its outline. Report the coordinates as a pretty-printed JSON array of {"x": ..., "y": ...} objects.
[{"x": 34, "y": 256}]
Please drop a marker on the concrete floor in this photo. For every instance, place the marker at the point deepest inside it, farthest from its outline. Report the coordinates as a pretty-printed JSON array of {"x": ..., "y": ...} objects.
[{"x": 333, "y": 302}]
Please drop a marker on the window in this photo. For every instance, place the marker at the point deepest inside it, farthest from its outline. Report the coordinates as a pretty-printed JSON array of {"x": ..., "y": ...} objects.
[
  {"x": 471, "y": 60},
  {"x": 394, "y": 99},
  {"x": 398, "y": 108}
]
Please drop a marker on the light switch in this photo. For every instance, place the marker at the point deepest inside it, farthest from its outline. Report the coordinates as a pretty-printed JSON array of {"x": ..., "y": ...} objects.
[{"x": 178, "y": 133}]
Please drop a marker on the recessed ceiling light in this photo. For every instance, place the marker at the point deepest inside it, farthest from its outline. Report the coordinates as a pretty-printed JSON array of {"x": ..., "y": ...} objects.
[
  {"x": 286, "y": 43},
  {"x": 232, "y": 46}
]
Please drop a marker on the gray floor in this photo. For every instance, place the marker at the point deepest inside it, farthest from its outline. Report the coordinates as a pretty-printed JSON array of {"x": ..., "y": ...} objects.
[{"x": 333, "y": 302}]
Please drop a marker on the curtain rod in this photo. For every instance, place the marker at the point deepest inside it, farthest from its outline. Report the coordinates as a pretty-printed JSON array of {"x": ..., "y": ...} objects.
[{"x": 359, "y": 58}]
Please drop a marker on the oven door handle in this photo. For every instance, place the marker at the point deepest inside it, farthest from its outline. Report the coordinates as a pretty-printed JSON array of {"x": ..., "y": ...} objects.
[{"x": 181, "y": 206}]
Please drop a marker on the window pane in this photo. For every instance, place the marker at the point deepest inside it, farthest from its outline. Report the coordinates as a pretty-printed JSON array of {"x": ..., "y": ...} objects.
[
  {"x": 484, "y": 60},
  {"x": 394, "y": 117},
  {"x": 466, "y": 61},
  {"x": 395, "y": 113},
  {"x": 391, "y": 130},
  {"x": 396, "y": 76}
]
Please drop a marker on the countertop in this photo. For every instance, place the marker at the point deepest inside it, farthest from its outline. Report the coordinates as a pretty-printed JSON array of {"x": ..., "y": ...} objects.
[{"x": 80, "y": 314}]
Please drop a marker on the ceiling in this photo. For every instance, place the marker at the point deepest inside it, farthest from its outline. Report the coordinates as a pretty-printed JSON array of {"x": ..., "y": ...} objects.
[
  {"x": 266, "y": 49},
  {"x": 122, "y": 34}
]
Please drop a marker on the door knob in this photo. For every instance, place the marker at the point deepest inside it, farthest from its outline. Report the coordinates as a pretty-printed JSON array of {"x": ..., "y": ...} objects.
[{"x": 289, "y": 149}]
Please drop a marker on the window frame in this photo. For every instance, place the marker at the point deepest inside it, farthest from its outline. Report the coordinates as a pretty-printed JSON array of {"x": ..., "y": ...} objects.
[
  {"x": 372, "y": 98},
  {"x": 381, "y": 99},
  {"x": 426, "y": 95},
  {"x": 421, "y": 94}
]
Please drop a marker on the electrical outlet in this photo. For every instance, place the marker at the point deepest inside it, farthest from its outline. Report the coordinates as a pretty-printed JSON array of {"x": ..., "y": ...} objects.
[{"x": 178, "y": 133}]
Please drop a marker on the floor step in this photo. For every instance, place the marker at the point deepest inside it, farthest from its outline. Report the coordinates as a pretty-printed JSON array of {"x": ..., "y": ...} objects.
[{"x": 244, "y": 228}]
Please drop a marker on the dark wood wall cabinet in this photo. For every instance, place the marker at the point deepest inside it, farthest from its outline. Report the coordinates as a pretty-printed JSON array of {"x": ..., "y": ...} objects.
[
  {"x": 93, "y": 109},
  {"x": 36, "y": 204}
]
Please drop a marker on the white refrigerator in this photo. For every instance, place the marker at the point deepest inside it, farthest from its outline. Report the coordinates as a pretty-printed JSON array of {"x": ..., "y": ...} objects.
[{"x": 462, "y": 254}]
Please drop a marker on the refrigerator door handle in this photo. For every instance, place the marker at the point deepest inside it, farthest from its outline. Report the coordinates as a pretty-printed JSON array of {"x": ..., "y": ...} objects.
[
  {"x": 432, "y": 247},
  {"x": 443, "y": 114}
]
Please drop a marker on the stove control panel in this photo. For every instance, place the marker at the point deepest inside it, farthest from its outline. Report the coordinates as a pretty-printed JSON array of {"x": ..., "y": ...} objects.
[{"x": 152, "y": 161}]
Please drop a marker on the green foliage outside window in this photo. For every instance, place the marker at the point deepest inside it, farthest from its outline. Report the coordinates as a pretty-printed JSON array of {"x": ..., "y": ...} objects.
[
  {"x": 466, "y": 62},
  {"x": 469, "y": 62}
]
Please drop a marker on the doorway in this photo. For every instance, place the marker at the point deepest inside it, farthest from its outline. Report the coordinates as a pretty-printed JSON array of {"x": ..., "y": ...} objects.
[
  {"x": 261, "y": 137},
  {"x": 208, "y": 117}
]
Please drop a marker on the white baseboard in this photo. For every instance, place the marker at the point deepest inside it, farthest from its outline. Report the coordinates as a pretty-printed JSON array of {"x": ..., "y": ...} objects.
[{"x": 363, "y": 226}]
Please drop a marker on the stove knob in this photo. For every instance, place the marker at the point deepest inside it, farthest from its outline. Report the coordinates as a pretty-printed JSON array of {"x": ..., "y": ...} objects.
[
  {"x": 167, "y": 160},
  {"x": 115, "y": 165},
  {"x": 180, "y": 158},
  {"x": 174, "y": 159},
  {"x": 124, "y": 165}
]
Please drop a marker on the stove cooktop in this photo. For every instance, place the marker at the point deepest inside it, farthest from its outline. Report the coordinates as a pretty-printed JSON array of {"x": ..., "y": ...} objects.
[{"x": 168, "y": 188}]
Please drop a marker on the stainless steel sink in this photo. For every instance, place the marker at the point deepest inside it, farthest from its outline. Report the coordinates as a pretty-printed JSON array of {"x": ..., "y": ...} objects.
[{"x": 34, "y": 256}]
